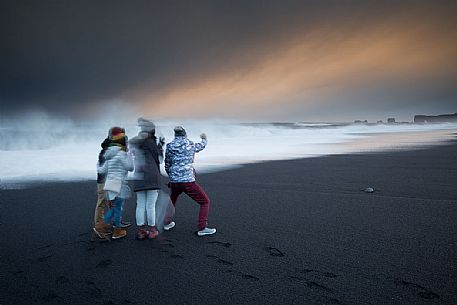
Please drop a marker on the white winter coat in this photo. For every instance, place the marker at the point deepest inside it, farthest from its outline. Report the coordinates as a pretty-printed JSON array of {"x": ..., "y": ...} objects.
[{"x": 116, "y": 167}]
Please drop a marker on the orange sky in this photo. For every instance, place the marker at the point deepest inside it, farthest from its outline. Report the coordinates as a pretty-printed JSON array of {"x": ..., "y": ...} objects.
[{"x": 313, "y": 66}]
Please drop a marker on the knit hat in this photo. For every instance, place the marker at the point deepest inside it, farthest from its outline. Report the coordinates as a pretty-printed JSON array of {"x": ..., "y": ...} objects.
[
  {"x": 115, "y": 132},
  {"x": 179, "y": 131},
  {"x": 146, "y": 125},
  {"x": 117, "y": 136}
]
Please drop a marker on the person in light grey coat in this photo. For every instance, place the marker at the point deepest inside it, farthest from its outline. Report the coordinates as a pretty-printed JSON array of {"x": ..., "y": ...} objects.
[{"x": 147, "y": 177}]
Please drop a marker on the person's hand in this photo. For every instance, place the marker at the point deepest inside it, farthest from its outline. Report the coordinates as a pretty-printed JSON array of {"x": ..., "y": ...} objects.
[
  {"x": 162, "y": 141},
  {"x": 203, "y": 136}
]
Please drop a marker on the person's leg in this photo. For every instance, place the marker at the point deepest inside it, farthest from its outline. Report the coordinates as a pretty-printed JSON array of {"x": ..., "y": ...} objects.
[
  {"x": 118, "y": 232},
  {"x": 196, "y": 192},
  {"x": 109, "y": 214},
  {"x": 140, "y": 220},
  {"x": 117, "y": 211},
  {"x": 175, "y": 190},
  {"x": 151, "y": 199},
  {"x": 100, "y": 206},
  {"x": 140, "y": 208},
  {"x": 124, "y": 224}
]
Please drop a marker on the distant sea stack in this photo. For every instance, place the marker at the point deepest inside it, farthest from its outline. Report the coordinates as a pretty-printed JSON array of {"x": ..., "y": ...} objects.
[{"x": 442, "y": 118}]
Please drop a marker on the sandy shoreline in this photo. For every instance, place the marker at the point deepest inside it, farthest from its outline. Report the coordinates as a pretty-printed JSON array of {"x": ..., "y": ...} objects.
[{"x": 289, "y": 232}]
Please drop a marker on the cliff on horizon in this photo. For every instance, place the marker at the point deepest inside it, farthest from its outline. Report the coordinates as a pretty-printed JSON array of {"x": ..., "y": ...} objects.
[{"x": 442, "y": 118}]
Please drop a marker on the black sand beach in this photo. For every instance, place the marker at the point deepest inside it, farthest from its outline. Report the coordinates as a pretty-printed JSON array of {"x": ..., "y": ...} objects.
[{"x": 289, "y": 232}]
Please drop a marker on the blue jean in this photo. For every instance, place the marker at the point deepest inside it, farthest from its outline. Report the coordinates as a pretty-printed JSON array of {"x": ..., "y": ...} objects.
[{"x": 115, "y": 212}]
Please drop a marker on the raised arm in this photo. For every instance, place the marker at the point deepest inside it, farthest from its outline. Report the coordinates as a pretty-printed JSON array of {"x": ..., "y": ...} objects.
[{"x": 200, "y": 146}]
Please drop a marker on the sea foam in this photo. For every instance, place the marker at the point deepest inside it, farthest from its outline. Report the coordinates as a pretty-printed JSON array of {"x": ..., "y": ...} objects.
[{"x": 43, "y": 148}]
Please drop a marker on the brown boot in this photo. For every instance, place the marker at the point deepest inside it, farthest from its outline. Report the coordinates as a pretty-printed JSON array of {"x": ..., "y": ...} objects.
[
  {"x": 102, "y": 229},
  {"x": 119, "y": 233}
]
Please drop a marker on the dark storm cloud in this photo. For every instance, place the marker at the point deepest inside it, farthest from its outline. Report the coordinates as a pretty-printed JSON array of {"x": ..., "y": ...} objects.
[
  {"x": 81, "y": 51},
  {"x": 62, "y": 55}
]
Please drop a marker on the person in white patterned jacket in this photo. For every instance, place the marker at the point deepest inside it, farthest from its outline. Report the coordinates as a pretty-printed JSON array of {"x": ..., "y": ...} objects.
[{"x": 179, "y": 157}]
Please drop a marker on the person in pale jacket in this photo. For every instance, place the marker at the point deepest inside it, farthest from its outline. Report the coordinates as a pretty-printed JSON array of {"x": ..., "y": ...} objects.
[
  {"x": 147, "y": 178},
  {"x": 118, "y": 162},
  {"x": 179, "y": 157}
]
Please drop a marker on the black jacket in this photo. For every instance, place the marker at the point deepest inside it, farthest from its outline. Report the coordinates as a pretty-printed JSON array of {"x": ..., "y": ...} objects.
[{"x": 101, "y": 159}]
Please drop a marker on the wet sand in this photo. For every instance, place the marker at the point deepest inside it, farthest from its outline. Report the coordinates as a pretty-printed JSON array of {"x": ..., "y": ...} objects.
[{"x": 289, "y": 232}]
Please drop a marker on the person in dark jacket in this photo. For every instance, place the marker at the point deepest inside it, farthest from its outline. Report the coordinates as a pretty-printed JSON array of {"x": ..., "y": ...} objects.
[{"x": 147, "y": 177}]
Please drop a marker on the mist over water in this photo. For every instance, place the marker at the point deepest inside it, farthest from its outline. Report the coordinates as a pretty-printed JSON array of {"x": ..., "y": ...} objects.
[{"x": 38, "y": 147}]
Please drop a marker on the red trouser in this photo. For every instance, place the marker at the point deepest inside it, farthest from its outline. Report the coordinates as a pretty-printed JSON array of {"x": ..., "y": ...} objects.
[{"x": 194, "y": 191}]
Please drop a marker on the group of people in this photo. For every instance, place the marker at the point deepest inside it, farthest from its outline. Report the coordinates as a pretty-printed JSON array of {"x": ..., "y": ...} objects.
[{"x": 143, "y": 155}]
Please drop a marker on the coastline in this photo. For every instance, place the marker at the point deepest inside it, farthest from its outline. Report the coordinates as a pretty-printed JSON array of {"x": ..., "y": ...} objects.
[
  {"x": 296, "y": 231},
  {"x": 63, "y": 160}
]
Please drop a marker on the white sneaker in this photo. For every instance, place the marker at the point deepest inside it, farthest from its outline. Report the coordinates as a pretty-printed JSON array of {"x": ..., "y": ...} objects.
[
  {"x": 169, "y": 226},
  {"x": 206, "y": 231}
]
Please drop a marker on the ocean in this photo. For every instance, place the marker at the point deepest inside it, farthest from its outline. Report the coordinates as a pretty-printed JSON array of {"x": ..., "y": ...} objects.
[{"x": 43, "y": 148}]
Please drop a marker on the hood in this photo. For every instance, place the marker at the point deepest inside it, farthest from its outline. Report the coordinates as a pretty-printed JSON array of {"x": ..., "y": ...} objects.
[
  {"x": 111, "y": 152},
  {"x": 105, "y": 143}
]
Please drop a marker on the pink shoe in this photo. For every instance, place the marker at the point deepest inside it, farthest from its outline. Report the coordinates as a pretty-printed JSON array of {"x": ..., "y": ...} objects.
[
  {"x": 142, "y": 233},
  {"x": 152, "y": 232}
]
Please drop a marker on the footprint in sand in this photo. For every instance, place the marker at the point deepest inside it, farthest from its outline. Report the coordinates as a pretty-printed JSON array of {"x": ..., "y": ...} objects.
[
  {"x": 177, "y": 256},
  {"x": 242, "y": 275},
  {"x": 421, "y": 291},
  {"x": 220, "y": 260},
  {"x": 275, "y": 251},
  {"x": 104, "y": 263},
  {"x": 51, "y": 296},
  {"x": 165, "y": 242},
  {"x": 333, "y": 301},
  {"x": 249, "y": 277},
  {"x": 224, "y": 262},
  {"x": 62, "y": 280},
  {"x": 45, "y": 247},
  {"x": 311, "y": 284},
  {"x": 94, "y": 290},
  {"x": 44, "y": 258},
  {"x": 220, "y": 243},
  {"x": 227, "y": 263},
  {"x": 326, "y": 274}
]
